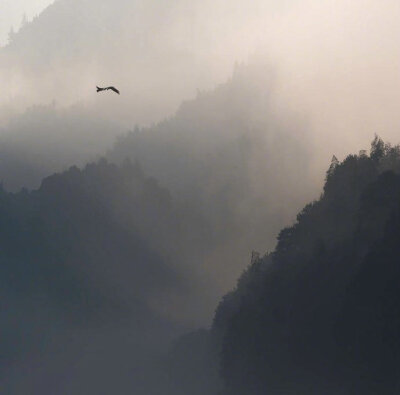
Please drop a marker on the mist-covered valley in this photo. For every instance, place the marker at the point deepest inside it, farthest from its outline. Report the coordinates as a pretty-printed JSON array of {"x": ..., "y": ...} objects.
[{"x": 193, "y": 234}]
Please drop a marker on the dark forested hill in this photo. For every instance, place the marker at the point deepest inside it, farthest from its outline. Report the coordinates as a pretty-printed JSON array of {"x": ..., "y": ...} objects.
[
  {"x": 92, "y": 286},
  {"x": 83, "y": 283},
  {"x": 320, "y": 314}
]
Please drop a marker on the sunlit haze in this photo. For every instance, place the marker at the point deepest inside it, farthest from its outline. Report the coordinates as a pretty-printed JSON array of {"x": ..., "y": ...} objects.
[
  {"x": 199, "y": 197},
  {"x": 13, "y": 12}
]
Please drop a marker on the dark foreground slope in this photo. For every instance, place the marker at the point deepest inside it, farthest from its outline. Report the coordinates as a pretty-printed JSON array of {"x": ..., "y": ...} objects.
[{"x": 321, "y": 313}]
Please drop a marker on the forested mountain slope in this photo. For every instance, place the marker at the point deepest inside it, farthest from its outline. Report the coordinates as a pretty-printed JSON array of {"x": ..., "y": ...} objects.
[{"x": 320, "y": 314}]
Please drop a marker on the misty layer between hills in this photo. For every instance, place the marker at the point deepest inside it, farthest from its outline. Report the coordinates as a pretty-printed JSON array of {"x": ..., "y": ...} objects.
[{"x": 103, "y": 265}]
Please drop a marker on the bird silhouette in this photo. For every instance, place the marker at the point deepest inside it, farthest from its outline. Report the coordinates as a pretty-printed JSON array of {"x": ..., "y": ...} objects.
[{"x": 107, "y": 88}]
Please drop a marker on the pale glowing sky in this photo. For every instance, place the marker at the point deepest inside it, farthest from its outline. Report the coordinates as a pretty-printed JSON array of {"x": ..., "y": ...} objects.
[{"x": 12, "y": 11}]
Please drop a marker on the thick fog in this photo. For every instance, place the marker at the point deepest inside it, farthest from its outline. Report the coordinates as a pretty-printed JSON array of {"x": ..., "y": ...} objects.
[
  {"x": 228, "y": 115},
  {"x": 335, "y": 62},
  {"x": 338, "y": 63},
  {"x": 15, "y": 13}
]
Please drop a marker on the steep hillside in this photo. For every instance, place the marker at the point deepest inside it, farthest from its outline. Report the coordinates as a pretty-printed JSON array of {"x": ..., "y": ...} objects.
[{"x": 320, "y": 313}]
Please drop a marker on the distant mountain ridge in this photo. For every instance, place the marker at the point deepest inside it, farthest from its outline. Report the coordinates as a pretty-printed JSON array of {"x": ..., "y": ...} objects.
[{"x": 158, "y": 53}]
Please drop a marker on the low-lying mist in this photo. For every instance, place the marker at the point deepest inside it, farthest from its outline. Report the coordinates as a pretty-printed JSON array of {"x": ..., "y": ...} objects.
[{"x": 47, "y": 139}]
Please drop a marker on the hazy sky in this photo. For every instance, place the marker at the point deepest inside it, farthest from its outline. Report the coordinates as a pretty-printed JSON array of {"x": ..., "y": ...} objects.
[
  {"x": 337, "y": 61},
  {"x": 12, "y": 11}
]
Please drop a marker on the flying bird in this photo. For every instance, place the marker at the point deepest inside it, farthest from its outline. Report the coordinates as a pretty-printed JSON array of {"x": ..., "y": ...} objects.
[{"x": 107, "y": 88}]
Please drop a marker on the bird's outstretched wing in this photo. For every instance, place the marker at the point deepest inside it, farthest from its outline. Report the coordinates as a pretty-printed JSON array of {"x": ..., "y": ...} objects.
[{"x": 113, "y": 89}]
